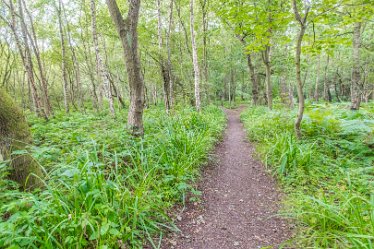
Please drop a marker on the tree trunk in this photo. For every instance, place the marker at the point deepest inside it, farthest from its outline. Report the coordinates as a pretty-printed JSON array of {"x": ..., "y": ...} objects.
[
  {"x": 77, "y": 87},
  {"x": 316, "y": 96},
  {"x": 195, "y": 58},
  {"x": 127, "y": 31},
  {"x": 290, "y": 95},
  {"x": 168, "y": 45},
  {"x": 163, "y": 64},
  {"x": 178, "y": 8},
  {"x": 28, "y": 62},
  {"x": 63, "y": 59},
  {"x": 9, "y": 62},
  {"x": 90, "y": 70},
  {"x": 232, "y": 84},
  {"x": 117, "y": 93},
  {"x": 335, "y": 85},
  {"x": 101, "y": 71},
  {"x": 301, "y": 102},
  {"x": 154, "y": 95},
  {"x": 229, "y": 90},
  {"x": 243, "y": 86},
  {"x": 43, "y": 79},
  {"x": 252, "y": 73},
  {"x": 325, "y": 83},
  {"x": 365, "y": 84},
  {"x": 300, "y": 94},
  {"x": 253, "y": 79},
  {"x": 89, "y": 62},
  {"x": 284, "y": 91},
  {"x": 15, "y": 135},
  {"x": 356, "y": 76},
  {"x": 269, "y": 94},
  {"x": 204, "y": 7}
]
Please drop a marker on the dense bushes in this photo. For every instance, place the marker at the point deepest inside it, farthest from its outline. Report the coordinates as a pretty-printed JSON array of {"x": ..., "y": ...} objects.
[
  {"x": 104, "y": 189},
  {"x": 328, "y": 175}
]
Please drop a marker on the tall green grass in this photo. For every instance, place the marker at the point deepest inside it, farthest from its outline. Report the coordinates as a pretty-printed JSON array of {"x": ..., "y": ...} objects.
[
  {"x": 104, "y": 189},
  {"x": 328, "y": 175}
]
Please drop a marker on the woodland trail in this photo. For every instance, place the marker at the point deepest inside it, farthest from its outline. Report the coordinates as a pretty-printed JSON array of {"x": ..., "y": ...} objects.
[{"x": 239, "y": 202}]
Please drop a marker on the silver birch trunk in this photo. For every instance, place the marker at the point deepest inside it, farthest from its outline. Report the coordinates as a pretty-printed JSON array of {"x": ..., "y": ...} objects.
[
  {"x": 101, "y": 71},
  {"x": 195, "y": 58},
  {"x": 63, "y": 59},
  {"x": 356, "y": 76}
]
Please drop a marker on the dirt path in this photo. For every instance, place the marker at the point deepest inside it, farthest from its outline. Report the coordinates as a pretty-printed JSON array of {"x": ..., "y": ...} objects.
[{"x": 239, "y": 201}]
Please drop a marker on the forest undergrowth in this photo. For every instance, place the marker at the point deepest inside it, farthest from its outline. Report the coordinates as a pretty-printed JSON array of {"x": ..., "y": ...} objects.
[
  {"x": 328, "y": 175},
  {"x": 103, "y": 188}
]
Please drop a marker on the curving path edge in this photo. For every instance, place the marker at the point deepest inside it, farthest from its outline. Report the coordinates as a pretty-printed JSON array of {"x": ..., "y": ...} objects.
[{"x": 240, "y": 201}]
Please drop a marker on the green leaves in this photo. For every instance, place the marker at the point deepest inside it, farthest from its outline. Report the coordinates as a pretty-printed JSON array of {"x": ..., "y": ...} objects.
[
  {"x": 328, "y": 175},
  {"x": 107, "y": 189},
  {"x": 258, "y": 22}
]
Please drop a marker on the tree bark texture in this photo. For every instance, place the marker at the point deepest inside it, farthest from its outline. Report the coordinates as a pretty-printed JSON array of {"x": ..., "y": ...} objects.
[
  {"x": 28, "y": 62},
  {"x": 356, "y": 76},
  {"x": 127, "y": 31},
  {"x": 301, "y": 101},
  {"x": 269, "y": 90},
  {"x": 63, "y": 59},
  {"x": 101, "y": 71},
  {"x": 195, "y": 58}
]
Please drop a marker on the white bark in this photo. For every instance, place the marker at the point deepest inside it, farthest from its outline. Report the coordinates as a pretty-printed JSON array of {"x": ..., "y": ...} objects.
[
  {"x": 356, "y": 76},
  {"x": 195, "y": 58},
  {"x": 100, "y": 67},
  {"x": 63, "y": 59}
]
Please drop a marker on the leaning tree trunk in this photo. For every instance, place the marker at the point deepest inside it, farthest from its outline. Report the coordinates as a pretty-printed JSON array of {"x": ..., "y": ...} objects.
[
  {"x": 100, "y": 66},
  {"x": 303, "y": 25},
  {"x": 195, "y": 58},
  {"x": 127, "y": 30},
  {"x": 300, "y": 94},
  {"x": 15, "y": 135},
  {"x": 35, "y": 46},
  {"x": 252, "y": 74},
  {"x": 78, "y": 93},
  {"x": 356, "y": 77},
  {"x": 29, "y": 64},
  {"x": 63, "y": 59},
  {"x": 269, "y": 94}
]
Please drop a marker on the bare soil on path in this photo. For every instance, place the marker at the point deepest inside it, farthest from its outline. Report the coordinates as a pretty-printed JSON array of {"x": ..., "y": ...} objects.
[{"x": 240, "y": 201}]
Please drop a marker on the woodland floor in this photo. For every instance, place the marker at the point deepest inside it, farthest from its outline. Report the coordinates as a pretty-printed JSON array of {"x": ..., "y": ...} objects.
[{"x": 240, "y": 201}]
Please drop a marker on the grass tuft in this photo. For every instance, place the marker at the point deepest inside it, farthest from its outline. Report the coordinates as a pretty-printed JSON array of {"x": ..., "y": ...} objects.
[
  {"x": 328, "y": 175},
  {"x": 103, "y": 188}
]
